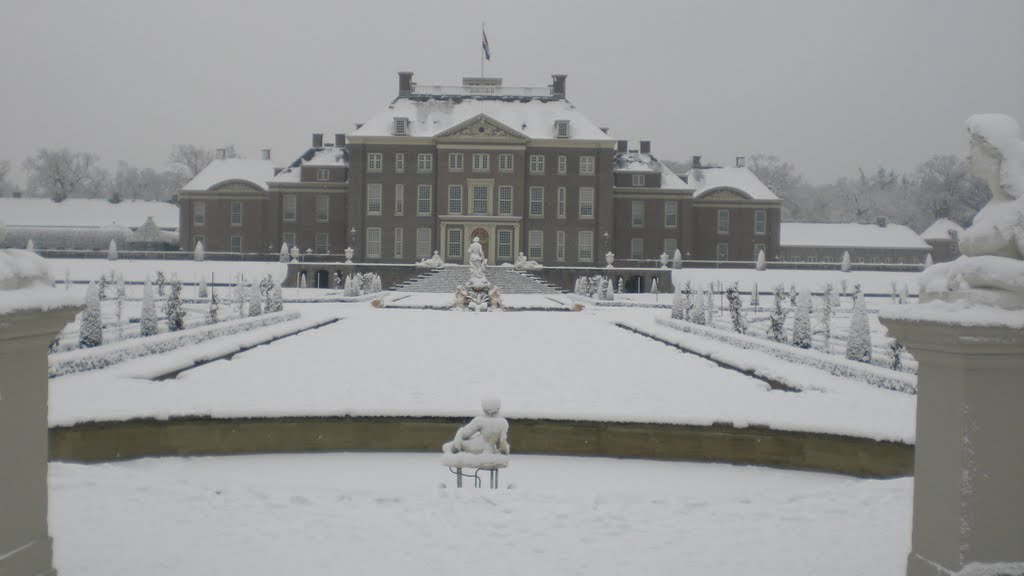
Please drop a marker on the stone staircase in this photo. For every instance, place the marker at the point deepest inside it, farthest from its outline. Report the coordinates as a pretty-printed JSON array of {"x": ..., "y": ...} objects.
[{"x": 445, "y": 280}]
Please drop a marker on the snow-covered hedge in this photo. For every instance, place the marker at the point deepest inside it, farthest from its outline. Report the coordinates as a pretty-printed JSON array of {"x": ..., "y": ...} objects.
[
  {"x": 104, "y": 356},
  {"x": 869, "y": 374}
]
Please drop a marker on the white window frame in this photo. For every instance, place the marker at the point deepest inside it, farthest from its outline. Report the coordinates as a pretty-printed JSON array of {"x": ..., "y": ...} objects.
[
  {"x": 399, "y": 199},
  {"x": 561, "y": 129},
  {"x": 587, "y": 203},
  {"x": 374, "y": 162},
  {"x": 587, "y": 165},
  {"x": 505, "y": 205},
  {"x": 400, "y": 162},
  {"x": 323, "y": 209},
  {"x": 234, "y": 213},
  {"x": 723, "y": 249},
  {"x": 723, "y": 220},
  {"x": 486, "y": 200},
  {"x": 401, "y": 126},
  {"x": 373, "y": 242},
  {"x": 563, "y": 165},
  {"x": 536, "y": 203},
  {"x": 424, "y": 163},
  {"x": 323, "y": 174},
  {"x": 560, "y": 207},
  {"x": 560, "y": 245},
  {"x": 325, "y": 244},
  {"x": 760, "y": 222},
  {"x": 428, "y": 197},
  {"x": 506, "y": 163},
  {"x": 481, "y": 162},
  {"x": 671, "y": 210},
  {"x": 636, "y": 217},
  {"x": 289, "y": 208},
  {"x": 455, "y": 199},
  {"x": 455, "y": 162},
  {"x": 535, "y": 244},
  {"x": 636, "y": 248},
  {"x": 536, "y": 163},
  {"x": 455, "y": 241},
  {"x": 585, "y": 247},
  {"x": 504, "y": 248},
  {"x": 199, "y": 212},
  {"x": 424, "y": 242},
  {"x": 374, "y": 199},
  {"x": 399, "y": 247},
  {"x": 639, "y": 180},
  {"x": 236, "y": 239}
]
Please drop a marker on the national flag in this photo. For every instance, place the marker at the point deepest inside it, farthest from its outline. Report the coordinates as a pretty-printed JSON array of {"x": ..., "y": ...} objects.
[{"x": 487, "y": 46}]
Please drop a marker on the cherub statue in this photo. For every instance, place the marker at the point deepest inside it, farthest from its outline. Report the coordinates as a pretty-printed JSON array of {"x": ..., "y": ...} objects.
[{"x": 487, "y": 434}]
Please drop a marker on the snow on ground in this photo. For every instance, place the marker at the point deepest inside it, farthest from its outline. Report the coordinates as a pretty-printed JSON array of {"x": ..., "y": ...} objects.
[
  {"x": 385, "y": 514},
  {"x": 574, "y": 366},
  {"x": 188, "y": 271},
  {"x": 871, "y": 282},
  {"x": 86, "y": 212}
]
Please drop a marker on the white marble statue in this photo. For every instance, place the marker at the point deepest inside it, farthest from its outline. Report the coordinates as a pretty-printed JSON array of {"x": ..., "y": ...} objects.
[
  {"x": 477, "y": 261},
  {"x": 483, "y": 443}
]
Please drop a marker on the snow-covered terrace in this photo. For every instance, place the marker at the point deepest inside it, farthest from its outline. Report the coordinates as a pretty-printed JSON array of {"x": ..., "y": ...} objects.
[
  {"x": 86, "y": 213},
  {"x": 802, "y": 234}
]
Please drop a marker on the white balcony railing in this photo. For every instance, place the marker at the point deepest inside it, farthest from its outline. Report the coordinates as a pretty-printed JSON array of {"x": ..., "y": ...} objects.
[{"x": 439, "y": 90}]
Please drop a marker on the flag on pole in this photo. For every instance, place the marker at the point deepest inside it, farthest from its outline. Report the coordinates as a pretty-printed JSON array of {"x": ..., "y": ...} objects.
[{"x": 486, "y": 46}]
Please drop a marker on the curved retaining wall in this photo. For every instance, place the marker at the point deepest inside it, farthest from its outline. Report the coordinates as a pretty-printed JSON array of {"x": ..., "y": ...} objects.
[{"x": 97, "y": 442}]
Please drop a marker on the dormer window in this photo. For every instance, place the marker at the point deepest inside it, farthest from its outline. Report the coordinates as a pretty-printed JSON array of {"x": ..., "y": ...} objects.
[
  {"x": 401, "y": 126},
  {"x": 323, "y": 174},
  {"x": 561, "y": 128},
  {"x": 639, "y": 180}
]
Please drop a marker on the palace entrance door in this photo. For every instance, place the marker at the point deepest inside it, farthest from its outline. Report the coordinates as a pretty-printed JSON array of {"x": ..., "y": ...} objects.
[{"x": 484, "y": 242}]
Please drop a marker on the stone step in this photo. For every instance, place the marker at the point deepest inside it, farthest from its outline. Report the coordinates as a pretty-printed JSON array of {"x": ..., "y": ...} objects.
[{"x": 447, "y": 279}]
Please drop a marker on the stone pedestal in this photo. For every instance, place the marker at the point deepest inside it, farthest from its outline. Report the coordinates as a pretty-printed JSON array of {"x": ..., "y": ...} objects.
[
  {"x": 969, "y": 459},
  {"x": 25, "y": 544}
]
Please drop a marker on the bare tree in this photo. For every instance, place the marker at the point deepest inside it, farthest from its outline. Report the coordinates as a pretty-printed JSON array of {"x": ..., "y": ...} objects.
[
  {"x": 62, "y": 174},
  {"x": 191, "y": 160},
  {"x": 6, "y": 187},
  {"x": 947, "y": 189},
  {"x": 779, "y": 176}
]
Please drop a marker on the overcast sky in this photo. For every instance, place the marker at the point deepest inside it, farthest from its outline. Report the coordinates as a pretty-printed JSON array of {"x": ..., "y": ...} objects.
[{"x": 828, "y": 85}]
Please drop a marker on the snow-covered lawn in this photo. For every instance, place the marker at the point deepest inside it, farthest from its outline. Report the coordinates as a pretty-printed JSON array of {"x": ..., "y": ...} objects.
[
  {"x": 871, "y": 282},
  {"x": 386, "y": 514},
  {"x": 187, "y": 271}
]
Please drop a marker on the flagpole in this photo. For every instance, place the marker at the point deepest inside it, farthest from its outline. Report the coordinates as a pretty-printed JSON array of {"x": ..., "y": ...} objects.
[{"x": 481, "y": 49}]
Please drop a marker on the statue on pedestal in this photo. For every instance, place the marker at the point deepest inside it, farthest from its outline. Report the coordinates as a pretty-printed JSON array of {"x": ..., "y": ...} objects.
[
  {"x": 477, "y": 261},
  {"x": 482, "y": 445}
]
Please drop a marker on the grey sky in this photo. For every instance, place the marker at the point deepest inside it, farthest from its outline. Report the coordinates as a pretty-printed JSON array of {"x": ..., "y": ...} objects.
[{"x": 828, "y": 85}]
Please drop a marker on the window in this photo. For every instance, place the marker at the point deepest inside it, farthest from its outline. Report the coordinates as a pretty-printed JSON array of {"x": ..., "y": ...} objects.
[
  {"x": 639, "y": 180},
  {"x": 504, "y": 200},
  {"x": 860, "y": 260},
  {"x": 423, "y": 201},
  {"x": 536, "y": 164},
  {"x": 236, "y": 213},
  {"x": 760, "y": 221},
  {"x": 669, "y": 246},
  {"x": 374, "y": 203},
  {"x": 586, "y": 165},
  {"x": 505, "y": 244},
  {"x": 827, "y": 259},
  {"x": 455, "y": 242},
  {"x": 536, "y": 201},
  {"x": 374, "y": 162},
  {"x": 399, "y": 199},
  {"x": 758, "y": 248},
  {"x": 504, "y": 163},
  {"x": 399, "y": 242},
  {"x": 290, "y": 207},
  {"x": 954, "y": 245},
  {"x": 481, "y": 197},
  {"x": 812, "y": 259},
  {"x": 481, "y": 162},
  {"x": 455, "y": 199},
  {"x": 586, "y": 202},
  {"x": 723, "y": 221},
  {"x": 535, "y": 246},
  {"x": 198, "y": 213},
  {"x": 638, "y": 214},
  {"x": 586, "y": 246},
  {"x": 561, "y": 128},
  {"x": 401, "y": 126},
  {"x": 321, "y": 243},
  {"x": 323, "y": 208},
  {"x": 400, "y": 162},
  {"x": 373, "y": 242},
  {"x": 560, "y": 245},
  {"x": 671, "y": 213},
  {"x": 636, "y": 248},
  {"x": 424, "y": 163},
  {"x": 323, "y": 174},
  {"x": 289, "y": 239},
  {"x": 723, "y": 251},
  {"x": 562, "y": 165},
  {"x": 423, "y": 243},
  {"x": 561, "y": 202},
  {"x": 455, "y": 162},
  {"x": 236, "y": 243}
]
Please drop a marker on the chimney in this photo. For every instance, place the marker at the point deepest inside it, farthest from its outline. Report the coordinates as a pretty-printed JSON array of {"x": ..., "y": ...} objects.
[
  {"x": 620, "y": 146},
  {"x": 339, "y": 140},
  {"x": 265, "y": 153},
  {"x": 881, "y": 221},
  {"x": 696, "y": 162},
  {"x": 318, "y": 140},
  {"x": 359, "y": 125},
  {"x": 404, "y": 84},
  {"x": 741, "y": 161},
  {"x": 558, "y": 85},
  {"x": 220, "y": 153},
  {"x": 604, "y": 129},
  {"x": 645, "y": 146}
]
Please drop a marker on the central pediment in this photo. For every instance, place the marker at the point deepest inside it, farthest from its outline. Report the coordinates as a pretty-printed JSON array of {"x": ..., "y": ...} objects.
[{"x": 482, "y": 127}]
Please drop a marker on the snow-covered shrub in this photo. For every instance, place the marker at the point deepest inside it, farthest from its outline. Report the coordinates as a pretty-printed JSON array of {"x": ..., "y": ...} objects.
[
  {"x": 893, "y": 292},
  {"x": 755, "y": 297},
  {"x": 698, "y": 315},
  {"x": 622, "y": 285},
  {"x": 843, "y": 289},
  {"x": 895, "y": 348},
  {"x": 710, "y": 309},
  {"x": 302, "y": 281},
  {"x": 101, "y": 287},
  {"x": 161, "y": 282},
  {"x": 90, "y": 334},
  {"x": 739, "y": 323},
  {"x": 30, "y": 246},
  {"x": 285, "y": 256},
  {"x": 211, "y": 313},
  {"x": 845, "y": 267},
  {"x": 147, "y": 321},
  {"x": 654, "y": 285},
  {"x": 255, "y": 301},
  {"x": 241, "y": 296},
  {"x": 802, "y": 320},
  {"x": 792, "y": 294},
  {"x": 677, "y": 260},
  {"x": 351, "y": 286},
  {"x": 173, "y": 309},
  {"x": 928, "y": 261},
  {"x": 112, "y": 250},
  {"x": 904, "y": 296},
  {"x": 858, "y": 342},
  {"x": 833, "y": 295},
  {"x": 276, "y": 301},
  {"x": 825, "y": 318},
  {"x": 120, "y": 295},
  {"x": 202, "y": 288},
  {"x": 678, "y": 307},
  {"x": 777, "y": 318},
  {"x": 761, "y": 264},
  {"x": 200, "y": 253}
]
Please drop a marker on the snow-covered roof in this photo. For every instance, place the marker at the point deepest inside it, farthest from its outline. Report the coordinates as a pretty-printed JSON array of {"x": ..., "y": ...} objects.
[
  {"x": 85, "y": 213},
  {"x": 852, "y": 235},
  {"x": 533, "y": 117},
  {"x": 326, "y": 156},
  {"x": 705, "y": 180},
  {"x": 256, "y": 172},
  {"x": 941, "y": 229},
  {"x": 638, "y": 162}
]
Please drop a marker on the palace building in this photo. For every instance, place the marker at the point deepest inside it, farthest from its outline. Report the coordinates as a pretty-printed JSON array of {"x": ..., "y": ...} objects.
[{"x": 519, "y": 167}]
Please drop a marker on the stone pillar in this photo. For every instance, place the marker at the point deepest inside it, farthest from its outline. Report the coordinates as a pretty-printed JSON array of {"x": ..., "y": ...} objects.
[{"x": 968, "y": 461}]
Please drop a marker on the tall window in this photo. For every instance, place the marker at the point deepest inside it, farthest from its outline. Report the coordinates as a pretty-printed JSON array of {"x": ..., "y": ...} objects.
[
  {"x": 290, "y": 208},
  {"x": 289, "y": 239},
  {"x": 536, "y": 201},
  {"x": 560, "y": 245},
  {"x": 399, "y": 199},
  {"x": 374, "y": 201},
  {"x": 504, "y": 162},
  {"x": 455, "y": 242},
  {"x": 586, "y": 246},
  {"x": 400, "y": 162},
  {"x": 669, "y": 246},
  {"x": 323, "y": 174},
  {"x": 373, "y": 242},
  {"x": 504, "y": 244},
  {"x": 561, "y": 202},
  {"x": 236, "y": 213},
  {"x": 480, "y": 199},
  {"x": 455, "y": 162},
  {"x": 423, "y": 243},
  {"x": 536, "y": 164},
  {"x": 374, "y": 162},
  {"x": 723, "y": 221},
  {"x": 586, "y": 202},
  {"x": 424, "y": 163},
  {"x": 321, "y": 243},
  {"x": 760, "y": 221},
  {"x": 455, "y": 199},
  {"x": 954, "y": 244},
  {"x": 723, "y": 251},
  {"x": 535, "y": 247},
  {"x": 236, "y": 243},
  {"x": 481, "y": 162},
  {"x": 639, "y": 180},
  {"x": 671, "y": 216},
  {"x": 423, "y": 203},
  {"x": 563, "y": 165},
  {"x": 323, "y": 209},
  {"x": 504, "y": 200},
  {"x": 638, "y": 213},
  {"x": 199, "y": 213},
  {"x": 399, "y": 242},
  {"x": 586, "y": 165},
  {"x": 636, "y": 248}
]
